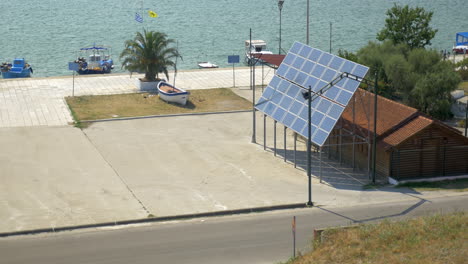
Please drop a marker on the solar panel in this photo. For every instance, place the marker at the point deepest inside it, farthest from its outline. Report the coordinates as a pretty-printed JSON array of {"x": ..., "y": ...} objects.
[{"x": 302, "y": 67}]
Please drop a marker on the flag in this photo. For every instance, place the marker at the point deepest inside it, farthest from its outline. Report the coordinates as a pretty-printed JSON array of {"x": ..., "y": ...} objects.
[
  {"x": 152, "y": 14},
  {"x": 138, "y": 18}
]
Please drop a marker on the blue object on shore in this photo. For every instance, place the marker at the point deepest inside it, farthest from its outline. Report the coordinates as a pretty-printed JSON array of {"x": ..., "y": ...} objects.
[
  {"x": 462, "y": 38},
  {"x": 233, "y": 59},
  {"x": 18, "y": 69}
]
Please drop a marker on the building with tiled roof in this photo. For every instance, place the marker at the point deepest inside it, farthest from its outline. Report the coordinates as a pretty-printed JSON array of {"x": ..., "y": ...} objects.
[{"x": 409, "y": 143}]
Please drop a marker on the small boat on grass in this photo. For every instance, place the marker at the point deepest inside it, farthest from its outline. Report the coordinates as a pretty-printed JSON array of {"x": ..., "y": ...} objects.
[
  {"x": 207, "y": 65},
  {"x": 18, "y": 69},
  {"x": 172, "y": 94}
]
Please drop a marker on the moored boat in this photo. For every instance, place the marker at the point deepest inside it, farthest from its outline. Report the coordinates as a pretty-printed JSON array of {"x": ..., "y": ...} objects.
[
  {"x": 19, "y": 68},
  {"x": 461, "y": 43},
  {"x": 95, "y": 59},
  {"x": 207, "y": 65},
  {"x": 169, "y": 93},
  {"x": 252, "y": 50}
]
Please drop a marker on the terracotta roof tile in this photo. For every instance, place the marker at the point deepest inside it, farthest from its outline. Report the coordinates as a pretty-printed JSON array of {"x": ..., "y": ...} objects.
[
  {"x": 406, "y": 131},
  {"x": 389, "y": 113}
]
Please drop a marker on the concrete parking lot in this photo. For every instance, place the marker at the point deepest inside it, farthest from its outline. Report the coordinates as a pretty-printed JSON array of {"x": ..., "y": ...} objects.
[{"x": 61, "y": 176}]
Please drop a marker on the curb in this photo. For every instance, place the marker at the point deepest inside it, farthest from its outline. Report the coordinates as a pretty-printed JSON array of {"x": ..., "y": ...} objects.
[
  {"x": 155, "y": 219},
  {"x": 156, "y": 116}
]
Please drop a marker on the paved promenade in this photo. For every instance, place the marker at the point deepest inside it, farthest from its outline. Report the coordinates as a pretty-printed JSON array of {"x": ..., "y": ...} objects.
[{"x": 40, "y": 101}]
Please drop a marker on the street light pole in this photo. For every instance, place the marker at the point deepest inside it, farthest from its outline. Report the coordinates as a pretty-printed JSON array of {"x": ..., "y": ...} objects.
[
  {"x": 308, "y": 96},
  {"x": 307, "y": 26},
  {"x": 280, "y": 6}
]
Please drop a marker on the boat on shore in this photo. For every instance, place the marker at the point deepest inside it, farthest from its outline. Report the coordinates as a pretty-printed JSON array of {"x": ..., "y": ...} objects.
[
  {"x": 461, "y": 43},
  {"x": 19, "y": 68},
  {"x": 207, "y": 65},
  {"x": 94, "y": 60},
  {"x": 171, "y": 94},
  {"x": 254, "y": 49}
]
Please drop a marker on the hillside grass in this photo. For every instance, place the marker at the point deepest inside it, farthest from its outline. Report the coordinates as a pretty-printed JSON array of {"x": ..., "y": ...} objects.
[
  {"x": 95, "y": 107},
  {"x": 438, "y": 239}
]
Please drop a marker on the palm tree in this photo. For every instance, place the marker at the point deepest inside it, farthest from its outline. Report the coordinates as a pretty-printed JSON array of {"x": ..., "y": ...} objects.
[{"x": 150, "y": 53}]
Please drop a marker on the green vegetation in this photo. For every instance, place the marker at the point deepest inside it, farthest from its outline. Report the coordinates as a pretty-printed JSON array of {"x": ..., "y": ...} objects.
[
  {"x": 464, "y": 86},
  {"x": 95, "y": 107},
  {"x": 432, "y": 239},
  {"x": 409, "y": 26},
  {"x": 149, "y": 52},
  {"x": 407, "y": 71},
  {"x": 462, "y": 68},
  {"x": 460, "y": 185}
]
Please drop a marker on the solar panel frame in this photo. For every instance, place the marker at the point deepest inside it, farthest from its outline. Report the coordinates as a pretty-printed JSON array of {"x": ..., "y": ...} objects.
[{"x": 303, "y": 65}]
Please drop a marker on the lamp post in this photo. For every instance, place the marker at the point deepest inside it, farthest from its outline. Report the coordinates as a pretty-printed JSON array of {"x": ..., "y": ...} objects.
[
  {"x": 308, "y": 96},
  {"x": 307, "y": 23},
  {"x": 280, "y": 6}
]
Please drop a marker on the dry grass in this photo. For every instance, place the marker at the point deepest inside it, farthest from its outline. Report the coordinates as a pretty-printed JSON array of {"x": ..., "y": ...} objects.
[
  {"x": 434, "y": 239},
  {"x": 96, "y": 107},
  {"x": 458, "y": 185}
]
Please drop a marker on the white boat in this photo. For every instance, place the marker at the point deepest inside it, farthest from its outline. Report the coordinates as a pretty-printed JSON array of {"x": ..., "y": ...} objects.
[
  {"x": 257, "y": 47},
  {"x": 206, "y": 65},
  {"x": 172, "y": 94}
]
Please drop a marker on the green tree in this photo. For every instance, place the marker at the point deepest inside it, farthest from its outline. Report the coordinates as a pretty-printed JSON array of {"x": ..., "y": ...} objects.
[
  {"x": 409, "y": 26},
  {"x": 462, "y": 68},
  {"x": 149, "y": 52},
  {"x": 431, "y": 94}
]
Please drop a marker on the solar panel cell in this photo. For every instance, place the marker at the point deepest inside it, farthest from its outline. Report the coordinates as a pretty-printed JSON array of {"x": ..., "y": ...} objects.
[
  {"x": 329, "y": 75},
  {"x": 305, "y": 51},
  {"x": 343, "y": 97},
  {"x": 298, "y": 63},
  {"x": 288, "y": 119},
  {"x": 286, "y": 102},
  {"x": 315, "y": 55},
  {"x": 289, "y": 59},
  {"x": 325, "y": 59},
  {"x": 291, "y": 74},
  {"x": 278, "y": 114},
  {"x": 328, "y": 124}
]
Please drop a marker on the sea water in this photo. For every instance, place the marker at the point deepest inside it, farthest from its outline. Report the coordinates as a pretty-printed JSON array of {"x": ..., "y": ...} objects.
[{"x": 48, "y": 33}]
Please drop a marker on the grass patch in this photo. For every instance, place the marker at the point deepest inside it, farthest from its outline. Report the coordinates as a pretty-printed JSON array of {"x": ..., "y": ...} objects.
[
  {"x": 93, "y": 107},
  {"x": 463, "y": 86},
  {"x": 433, "y": 239},
  {"x": 459, "y": 185}
]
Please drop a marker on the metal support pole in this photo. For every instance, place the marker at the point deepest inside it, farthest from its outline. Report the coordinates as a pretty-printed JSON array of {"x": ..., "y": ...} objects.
[
  {"x": 254, "y": 128},
  {"x": 374, "y": 151},
  {"x": 307, "y": 22},
  {"x": 274, "y": 137},
  {"x": 285, "y": 143},
  {"x": 320, "y": 158},
  {"x": 309, "y": 144},
  {"x": 340, "y": 144},
  {"x": 295, "y": 148},
  {"x": 466, "y": 118},
  {"x": 264, "y": 132},
  {"x": 233, "y": 76},
  {"x": 330, "y": 37},
  {"x": 280, "y": 6},
  {"x": 73, "y": 89}
]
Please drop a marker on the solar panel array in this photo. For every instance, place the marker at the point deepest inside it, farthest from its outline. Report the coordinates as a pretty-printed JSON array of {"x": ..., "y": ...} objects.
[{"x": 304, "y": 66}]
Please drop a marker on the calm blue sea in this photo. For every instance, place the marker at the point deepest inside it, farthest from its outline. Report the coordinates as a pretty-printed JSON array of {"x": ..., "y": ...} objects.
[{"x": 49, "y": 32}]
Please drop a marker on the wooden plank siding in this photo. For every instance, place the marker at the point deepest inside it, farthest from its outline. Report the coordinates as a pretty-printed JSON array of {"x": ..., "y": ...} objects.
[
  {"x": 435, "y": 151},
  {"x": 431, "y": 153}
]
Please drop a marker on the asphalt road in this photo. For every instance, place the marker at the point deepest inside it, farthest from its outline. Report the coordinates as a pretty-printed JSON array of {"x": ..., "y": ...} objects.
[{"x": 253, "y": 238}]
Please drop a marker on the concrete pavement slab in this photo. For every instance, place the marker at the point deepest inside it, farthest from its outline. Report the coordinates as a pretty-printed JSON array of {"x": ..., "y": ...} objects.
[{"x": 53, "y": 176}]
